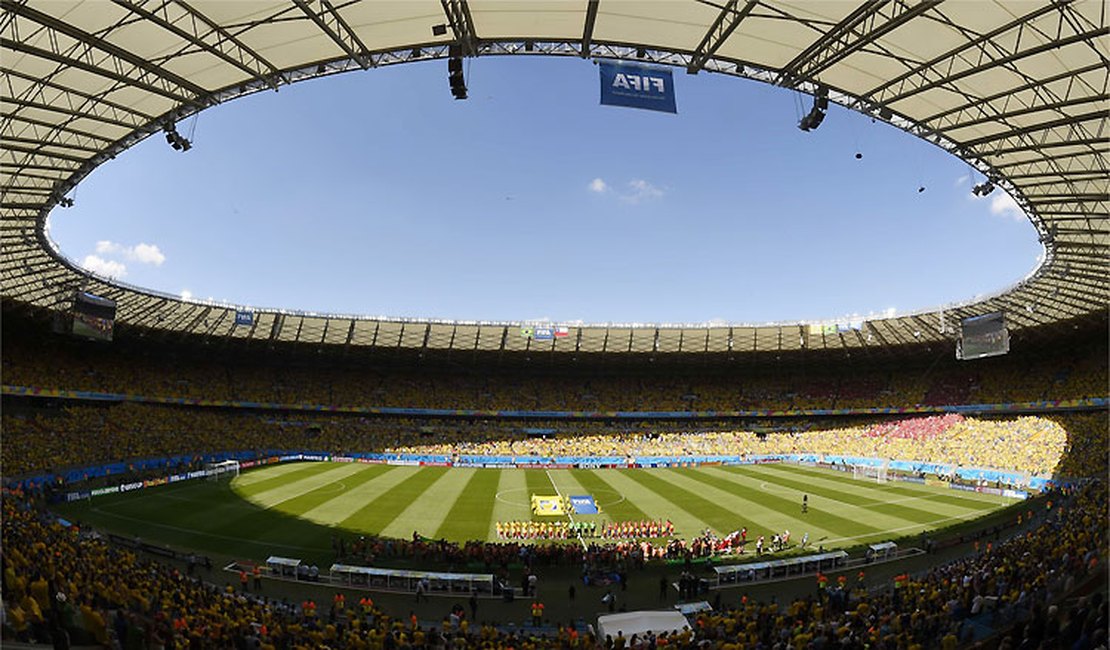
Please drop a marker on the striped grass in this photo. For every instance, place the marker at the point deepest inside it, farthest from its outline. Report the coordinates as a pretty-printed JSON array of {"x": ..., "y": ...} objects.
[
  {"x": 472, "y": 512},
  {"x": 427, "y": 512},
  {"x": 384, "y": 508},
  {"x": 296, "y": 509}
]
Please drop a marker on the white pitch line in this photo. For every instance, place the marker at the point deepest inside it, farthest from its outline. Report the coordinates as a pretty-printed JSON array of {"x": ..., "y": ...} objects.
[
  {"x": 569, "y": 514},
  {"x": 782, "y": 489},
  {"x": 193, "y": 531},
  {"x": 970, "y": 515},
  {"x": 509, "y": 491}
]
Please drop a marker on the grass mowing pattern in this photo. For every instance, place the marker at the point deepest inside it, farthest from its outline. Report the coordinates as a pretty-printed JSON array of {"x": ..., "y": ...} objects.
[
  {"x": 429, "y": 509},
  {"x": 714, "y": 515},
  {"x": 470, "y": 515},
  {"x": 859, "y": 499},
  {"x": 294, "y": 510},
  {"x": 828, "y": 518},
  {"x": 378, "y": 513},
  {"x": 257, "y": 482},
  {"x": 616, "y": 509},
  {"x": 355, "y": 487},
  {"x": 971, "y": 500}
]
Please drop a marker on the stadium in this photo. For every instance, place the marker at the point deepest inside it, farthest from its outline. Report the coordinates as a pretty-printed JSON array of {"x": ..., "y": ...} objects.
[{"x": 194, "y": 473}]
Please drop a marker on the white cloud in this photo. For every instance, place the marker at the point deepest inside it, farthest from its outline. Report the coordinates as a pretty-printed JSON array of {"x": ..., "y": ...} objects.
[
  {"x": 106, "y": 268},
  {"x": 634, "y": 191},
  {"x": 186, "y": 294},
  {"x": 148, "y": 254},
  {"x": 1004, "y": 205},
  {"x": 641, "y": 190},
  {"x": 962, "y": 180},
  {"x": 143, "y": 253}
]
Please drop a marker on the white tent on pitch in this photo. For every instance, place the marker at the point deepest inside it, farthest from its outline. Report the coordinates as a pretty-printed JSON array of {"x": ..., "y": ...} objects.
[{"x": 629, "y": 623}]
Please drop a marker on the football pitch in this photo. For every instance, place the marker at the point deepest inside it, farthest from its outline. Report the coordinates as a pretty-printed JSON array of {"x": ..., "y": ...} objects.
[{"x": 296, "y": 509}]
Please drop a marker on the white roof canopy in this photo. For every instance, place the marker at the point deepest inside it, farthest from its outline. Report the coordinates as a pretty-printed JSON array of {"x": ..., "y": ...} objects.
[{"x": 1018, "y": 90}]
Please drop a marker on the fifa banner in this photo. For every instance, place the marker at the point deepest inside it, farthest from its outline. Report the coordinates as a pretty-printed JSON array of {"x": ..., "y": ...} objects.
[
  {"x": 544, "y": 333},
  {"x": 837, "y": 328},
  {"x": 244, "y": 317},
  {"x": 637, "y": 86},
  {"x": 584, "y": 505},
  {"x": 547, "y": 506}
]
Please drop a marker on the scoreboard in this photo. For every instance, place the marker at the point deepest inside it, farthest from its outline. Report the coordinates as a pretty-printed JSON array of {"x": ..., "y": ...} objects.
[
  {"x": 93, "y": 316},
  {"x": 983, "y": 336}
]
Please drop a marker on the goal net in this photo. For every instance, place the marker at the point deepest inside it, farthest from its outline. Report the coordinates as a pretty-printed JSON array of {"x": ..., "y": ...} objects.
[
  {"x": 225, "y": 469},
  {"x": 875, "y": 473}
]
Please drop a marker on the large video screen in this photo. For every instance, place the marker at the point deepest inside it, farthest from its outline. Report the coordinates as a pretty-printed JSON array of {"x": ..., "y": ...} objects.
[
  {"x": 94, "y": 317},
  {"x": 983, "y": 336}
]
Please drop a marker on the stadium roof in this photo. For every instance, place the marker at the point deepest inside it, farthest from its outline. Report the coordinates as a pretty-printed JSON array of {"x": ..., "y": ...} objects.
[{"x": 1017, "y": 89}]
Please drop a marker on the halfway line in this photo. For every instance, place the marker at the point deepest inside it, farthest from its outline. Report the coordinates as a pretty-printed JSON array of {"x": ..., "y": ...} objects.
[{"x": 560, "y": 495}]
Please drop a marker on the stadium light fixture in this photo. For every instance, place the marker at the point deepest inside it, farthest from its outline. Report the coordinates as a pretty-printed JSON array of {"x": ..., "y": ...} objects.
[
  {"x": 816, "y": 115},
  {"x": 455, "y": 71},
  {"x": 983, "y": 189},
  {"x": 175, "y": 140}
]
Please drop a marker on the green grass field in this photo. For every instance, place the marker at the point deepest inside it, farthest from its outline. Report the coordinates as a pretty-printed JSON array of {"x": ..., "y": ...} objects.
[{"x": 294, "y": 509}]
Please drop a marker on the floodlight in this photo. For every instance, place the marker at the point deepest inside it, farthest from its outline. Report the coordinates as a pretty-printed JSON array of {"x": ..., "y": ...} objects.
[
  {"x": 455, "y": 71},
  {"x": 983, "y": 189},
  {"x": 816, "y": 115}
]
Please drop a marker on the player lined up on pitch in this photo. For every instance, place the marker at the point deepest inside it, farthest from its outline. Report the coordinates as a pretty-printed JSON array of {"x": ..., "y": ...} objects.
[
  {"x": 545, "y": 530},
  {"x": 637, "y": 529}
]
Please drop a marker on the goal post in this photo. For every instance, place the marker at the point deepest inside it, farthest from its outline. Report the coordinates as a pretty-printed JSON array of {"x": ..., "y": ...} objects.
[
  {"x": 877, "y": 473},
  {"x": 224, "y": 469}
]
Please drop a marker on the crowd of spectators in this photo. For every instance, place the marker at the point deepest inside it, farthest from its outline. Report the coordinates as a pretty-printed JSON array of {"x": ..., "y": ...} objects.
[
  {"x": 1088, "y": 441},
  {"x": 1031, "y": 444},
  {"x": 84, "y": 434},
  {"x": 49, "y": 362},
  {"x": 614, "y": 547},
  {"x": 925, "y": 428},
  {"x": 1015, "y": 582},
  {"x": 61, "y": 584},
  {"x": 60, "y": 581},
  {"x": 597, "y": 559}
]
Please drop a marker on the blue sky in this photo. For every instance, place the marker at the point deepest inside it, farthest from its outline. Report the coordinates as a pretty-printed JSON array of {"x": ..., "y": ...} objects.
[{"x": 376, "y": 193}]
